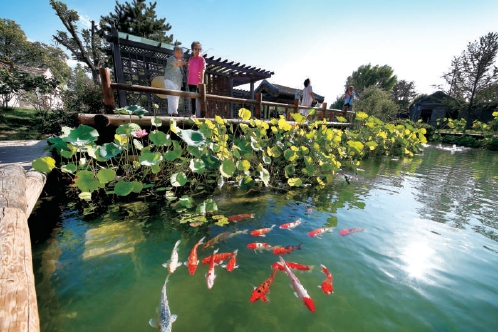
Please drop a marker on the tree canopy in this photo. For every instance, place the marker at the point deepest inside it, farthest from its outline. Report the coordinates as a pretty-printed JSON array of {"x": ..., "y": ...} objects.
[
  {"x": 403, "y": 93},
  {"x": 15, "y": 47},
  {"x": 139, "y": 19},
  {"x": 367, "y": 75}
]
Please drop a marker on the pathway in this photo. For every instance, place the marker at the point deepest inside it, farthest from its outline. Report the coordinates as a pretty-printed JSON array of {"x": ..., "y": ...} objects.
[{"x": 21, "y": 153}]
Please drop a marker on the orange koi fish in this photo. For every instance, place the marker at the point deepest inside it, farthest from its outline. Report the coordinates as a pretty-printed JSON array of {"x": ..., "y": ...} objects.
[
  {"x": 259, "y": 293},
  {"x": 290, "y": 225},
  {"x": 259, "y": 246},
  {"x": 238, "y": 217},
  {"x": 327, "y": 285},
  {"x": 218, "y": 258},
  {"x": 318, "y": 232},
  {"x": 286, "y": 249},
  {"x": 292, "y": 265},
  {"x": 192, "y": 258},
  {"x": 262, "y": 231},
  {"x": 300, "y": 291},
  {"x": 231, "y": 263},
  {"x": 349, "y": 231},
  {"x": 210, "y": 275},
  {"x": 215, "y": 240}
]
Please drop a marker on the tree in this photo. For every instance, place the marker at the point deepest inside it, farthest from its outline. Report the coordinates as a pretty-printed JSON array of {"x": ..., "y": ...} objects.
[
  {"x": 15, "y": 47},
  {"x": 138, "y": 19},
  {"x": 365, "y": 76},
  {"x": 474, "y": 71},
  {"x": 82, "y": 94},
  {"x": 377, "y": 102},
  {"x": 403, "y": 92},
  {"x": 85, "y": 46}
]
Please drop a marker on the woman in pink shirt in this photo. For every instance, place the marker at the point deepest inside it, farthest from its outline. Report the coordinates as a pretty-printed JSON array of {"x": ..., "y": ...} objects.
[{"x": 196, "y": 69}]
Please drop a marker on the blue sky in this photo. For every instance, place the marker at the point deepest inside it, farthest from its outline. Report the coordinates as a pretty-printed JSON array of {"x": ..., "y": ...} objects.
[{"x": 325, "y": 40}]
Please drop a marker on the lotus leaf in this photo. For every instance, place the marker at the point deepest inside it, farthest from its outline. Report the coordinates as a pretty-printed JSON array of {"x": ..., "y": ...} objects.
[
  {"x": 45, "y": 164},
  {"x": 123, "y": 188},
  {"x": 227, "y": 168},
  {"x": 178, "y": 179},
  {"x": 85, "y": 181},
  {"x": 106, "y": 175}
]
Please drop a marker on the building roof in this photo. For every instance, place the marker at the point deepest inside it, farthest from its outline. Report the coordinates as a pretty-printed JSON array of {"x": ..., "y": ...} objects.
[
  {"x": 438, "y": 98},
  {"x": 277, "y": 90}
]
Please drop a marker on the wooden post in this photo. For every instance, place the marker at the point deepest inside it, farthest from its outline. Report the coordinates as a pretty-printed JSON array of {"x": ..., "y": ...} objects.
[
  {"x": 118, "y": 65},
  {"x": 18, "y": 195},
  {"x": 296, "y": 105},
  {"x": 105, "y": 78},
  {"x": 259, "y": 99},
  {"x": 202, "y": 99}
]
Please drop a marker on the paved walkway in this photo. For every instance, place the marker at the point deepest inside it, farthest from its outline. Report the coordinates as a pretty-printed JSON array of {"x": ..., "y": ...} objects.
[{"x": 21, "y": 152}]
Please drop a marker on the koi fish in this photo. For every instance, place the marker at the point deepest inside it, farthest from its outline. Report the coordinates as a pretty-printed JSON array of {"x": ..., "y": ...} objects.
[
  {"x": 231, "y": 263},
  {"x": 262, "y": 231},
  {"x": 292, "y": 265},
  {"x": 165, "y": 316},
  {"x": 214, "y": 240},
  {"x": 286, "y": 249},
  {"x": 349, "y": 231},
  {"x": 218, "y": 258},
  {"x": 259, "y": 293},
  {"x": 259, "y": 246},
  {"x": 192, "y": 258},
  {"x": 235, "y": 233},
  {"x": 290, "y": 225},
  {"x": 318, "y": 232},
  {"x": 327, "y": 285},
  {"x": 300, "y": 291},
  {"x": 210, "y": 275},
  {"x": 238, "y": 217},
  {"x": 173, "y": 263}
]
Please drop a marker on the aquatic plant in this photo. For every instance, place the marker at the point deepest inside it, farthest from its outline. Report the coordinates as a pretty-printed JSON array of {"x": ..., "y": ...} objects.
[{"x": 181, "y": 163}]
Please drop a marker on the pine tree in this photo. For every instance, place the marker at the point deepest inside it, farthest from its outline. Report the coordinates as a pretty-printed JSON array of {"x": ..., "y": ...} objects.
[{"x": 137, "y": 19}]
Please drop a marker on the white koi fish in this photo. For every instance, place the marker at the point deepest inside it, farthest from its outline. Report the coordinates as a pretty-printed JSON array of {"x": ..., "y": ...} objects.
[
  {"x": 300, "y": 293},
  {"x": 210, "y": 275},
  {"x": 173, "y": 263}
]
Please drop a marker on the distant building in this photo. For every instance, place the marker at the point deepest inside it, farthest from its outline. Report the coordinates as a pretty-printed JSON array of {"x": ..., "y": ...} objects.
[
  {"x": 282, "y": 94},
  {"x": 433, "y": 107},
  {"x": 45, "y": 101}
]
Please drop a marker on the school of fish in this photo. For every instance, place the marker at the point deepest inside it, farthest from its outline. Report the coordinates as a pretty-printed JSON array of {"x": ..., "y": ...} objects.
[{"x": 261, "y": 292}]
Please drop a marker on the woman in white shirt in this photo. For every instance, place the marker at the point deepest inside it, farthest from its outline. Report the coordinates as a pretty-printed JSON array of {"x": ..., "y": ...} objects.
[{"x": 308, "y": 97}]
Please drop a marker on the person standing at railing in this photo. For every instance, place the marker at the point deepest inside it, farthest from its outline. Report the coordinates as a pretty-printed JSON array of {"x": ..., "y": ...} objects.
[
  {"x": 308, "y": 97},
  {"x": 349, "y": 96},
  {"x": 196, "y": 69},
  {"x": 173, "y": 78}
]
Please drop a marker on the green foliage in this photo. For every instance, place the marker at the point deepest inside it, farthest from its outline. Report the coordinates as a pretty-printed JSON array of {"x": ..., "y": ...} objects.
[
  {"x": 378, "y": 103},
  {"x": 365, "y": 76},
  {"x": 213, "y": 155},
  {"x": 139, "y": 19},
  {"x": 82, "y": 94}
]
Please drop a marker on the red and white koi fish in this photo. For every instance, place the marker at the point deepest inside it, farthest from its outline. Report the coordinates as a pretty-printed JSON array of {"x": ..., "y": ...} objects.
[
  {"x": 259, "y": 293},
  {"x": 319, "y": 231},
  {"x": 291, "y": 225},
  {"x": 349, "y": 231},
  {"x": 238, "y": 217},
  {"x": 262, "y": 231},
  {"x": 292, "y": 265},
  {"x": 173, "y": 262},
  {"x": 218, "y": 258},
  {"x": 286, "y": 249},
  {"x": 231, "y": 263},
  {"x": 210, "y": 275},
  {"x": 259, "y": 246},
  {"x": 327, "y": 285},
  {"x": 193, "y": 261},
  {"x": 301, "y": 292}
]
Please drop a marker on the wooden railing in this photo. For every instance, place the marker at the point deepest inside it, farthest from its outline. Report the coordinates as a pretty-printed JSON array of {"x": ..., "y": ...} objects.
[{"x": 108, "y": 90}]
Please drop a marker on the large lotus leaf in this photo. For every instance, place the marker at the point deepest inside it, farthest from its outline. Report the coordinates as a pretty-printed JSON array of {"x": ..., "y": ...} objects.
[
  {"x": 197, "y": 166},
  {"x": 246, "y": 183},
  {"x": 94, "y": 152},
  {"x": 109, "y": 150},
  {"x": 299, "y": 118},
  {"x": 82, "y": 135},
  {"x": 186, "y": 201},
  {"x": 244, "y": 146},
  {"x": 243, "y": 165},
  {"x": 69, "y": 168},
  {"x": 149, "y": 158},
  {"x": 289, "y": 170},
  {"x": 123, "y": 188},
  {"x": 245, "y": 114},
  {"x": 227, "y": 168},
  {"x": 178, "y": 179},
  {"x": 127, "y": 128},
  {"x": 85, "y": 181},
  {"x": 175, "y": 153},
  {"x": 192, "y": 137},
  {"x": 356, "y": 146},
  {"x": 156, "y": 121},
  {"x": 57, "y": 143},
  {"x": 295, "y": 182},
  {"x": 68, "y": 154},
  {"x": 264, "y": 175},
  {"x": 266, "y": 160},
  {"x": 159, "y": 138},
  {"x": 371, "y": 144},
  {"x": 290, "y": 155},
  {"x": 106, "y": 175},
  {"x": 194, "y": 151},
  {"x": 137, "y": 186},
  {"x": 210, "y": 161},
  {"x": 45, "y": 164}
]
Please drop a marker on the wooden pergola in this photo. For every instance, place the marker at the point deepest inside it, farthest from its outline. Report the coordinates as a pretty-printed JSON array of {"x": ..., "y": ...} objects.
[{"x": 138, "y": 60}]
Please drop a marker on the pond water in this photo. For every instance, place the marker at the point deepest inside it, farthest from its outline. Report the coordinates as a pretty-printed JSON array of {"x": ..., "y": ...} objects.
[{"x": 426, "y": 260}]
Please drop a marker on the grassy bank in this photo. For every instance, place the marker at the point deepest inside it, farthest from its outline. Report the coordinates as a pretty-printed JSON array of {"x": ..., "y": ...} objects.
[{"x": 19, "y": 124}]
